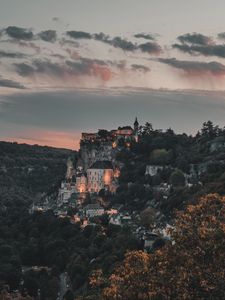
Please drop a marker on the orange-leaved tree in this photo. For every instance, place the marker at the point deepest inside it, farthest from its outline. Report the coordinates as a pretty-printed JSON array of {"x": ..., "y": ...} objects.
[{"x": 190, "y": 267}]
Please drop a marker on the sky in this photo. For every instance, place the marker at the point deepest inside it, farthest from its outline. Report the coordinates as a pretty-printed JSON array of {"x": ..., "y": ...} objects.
[{"x": 80, "y": 65}]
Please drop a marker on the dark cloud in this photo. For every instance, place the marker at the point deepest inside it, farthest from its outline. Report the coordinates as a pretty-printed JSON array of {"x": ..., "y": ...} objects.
[
  {"x": 19, "y": 33},
  {"x": 79, "y": 67},
  {"x": 79, "y": 34},
  {"x": 144, "y": 36},
  {"x": 23, "y": 44},
  {"x": 24, "y": 69},
  {"x": 64, "y": 42},
  {"x": 90, "y": 67},
  {"x": 10, "y": 84},
  {"x": 123, "y": 44},
  {"x": 48, "y": 35},
  {"x": 40, "y": 66},
  {"x": 117, "y": 42},
  {"x": 31, "y": 45},
  {"x": 208, "y": 50},
  {"x": 104, "y": 38},
  {"x": 101, "y": 37},
  {"x": 150, "y": 47},
  {"x": 11, "y": 54},
  {"x": 82, "y": 66},
  {"x": 221, "y": 35},
  {"x": 196, "y": 44},
  {"x": 141, "y": 68},
  {"x": 195, "y": 38},
  {"x": 185, "y": 48},
  {"x": 48, "y": 67},
  {"x": 196, "y": 67}
]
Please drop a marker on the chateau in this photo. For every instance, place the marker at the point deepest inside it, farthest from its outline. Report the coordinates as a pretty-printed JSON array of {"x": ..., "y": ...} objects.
[{"x": 97, "y": 167}]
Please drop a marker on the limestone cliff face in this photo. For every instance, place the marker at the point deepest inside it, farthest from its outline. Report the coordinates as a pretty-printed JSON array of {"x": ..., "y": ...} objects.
[
  {"x": 70, "y": 169},
  {"x": 91, "y": 152}
]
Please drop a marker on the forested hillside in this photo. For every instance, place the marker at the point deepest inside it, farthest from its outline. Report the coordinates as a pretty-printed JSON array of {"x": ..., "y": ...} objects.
[
  {"x": 29, "y": 172},
  {"x": 187, "y": 167},
  {"x": 102, "y": 260}
]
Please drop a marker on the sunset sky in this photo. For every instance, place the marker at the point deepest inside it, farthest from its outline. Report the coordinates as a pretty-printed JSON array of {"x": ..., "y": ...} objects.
[{"x": 79, "y": 65}]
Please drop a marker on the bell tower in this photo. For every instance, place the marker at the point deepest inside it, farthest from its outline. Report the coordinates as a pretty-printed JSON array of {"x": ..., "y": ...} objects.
[
  {"x": 136, "y": 128},
  {"x": 136, "y": 125}
]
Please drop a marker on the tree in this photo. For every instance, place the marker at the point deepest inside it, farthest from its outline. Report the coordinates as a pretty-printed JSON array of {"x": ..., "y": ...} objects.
[
  {"x": 68, "y": 295},
  {"x": 189, "y": 267},
  {"x": 148, "y": 217},
  {"x": 31, "y": 285},
  {"x": 177, "y": 178},
  {"x": 209, "y": 130},
  {"x": 161, "y": 156},
  {"x": 146, "y": 130},
  {"x": 103, "y": 133}
]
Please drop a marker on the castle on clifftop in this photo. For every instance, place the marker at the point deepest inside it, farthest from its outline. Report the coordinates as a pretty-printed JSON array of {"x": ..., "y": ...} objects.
[{"x": 97, "y": 167}]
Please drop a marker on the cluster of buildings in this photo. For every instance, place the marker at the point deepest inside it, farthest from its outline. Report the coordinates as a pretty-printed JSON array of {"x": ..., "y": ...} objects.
[{"x": 97, "y": 168}]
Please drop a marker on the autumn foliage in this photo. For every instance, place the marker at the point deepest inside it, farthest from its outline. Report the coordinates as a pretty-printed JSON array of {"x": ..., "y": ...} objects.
[
  {"x": 191, "y": 266},
  {"x": 5, "y": 295}
]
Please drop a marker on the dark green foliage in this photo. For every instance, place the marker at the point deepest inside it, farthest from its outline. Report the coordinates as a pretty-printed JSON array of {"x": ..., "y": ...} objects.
[
  {"x": 175, "y": 153},
  {"x": 29, "y": 172},
  {"x": 42, "y": 239},
  {"x": 177, "y": 178}
]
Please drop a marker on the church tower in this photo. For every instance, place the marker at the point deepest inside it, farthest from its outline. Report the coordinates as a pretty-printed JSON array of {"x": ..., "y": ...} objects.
[{"x": 136, "y": 128}]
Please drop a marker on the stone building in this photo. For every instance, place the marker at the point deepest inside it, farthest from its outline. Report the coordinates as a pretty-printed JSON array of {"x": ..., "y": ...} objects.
[
  {"x": 97, "y": 167},
  {"x": 152, "y": 170},
  {"x": 81, "y": 182},
  {"x": 100, "y": 176},
  {"x": 102, "y": 145},
  {"x": 65, "y": 192},
  {"x": 93, "y": 210}
]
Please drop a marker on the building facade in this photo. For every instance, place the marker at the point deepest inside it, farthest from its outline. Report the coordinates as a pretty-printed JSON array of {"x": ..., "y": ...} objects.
[
  {"x": 81, "y": 183},
  {"x": 100, "y": 176},
  {"x": 93, "y": 210},
  {"x": 96, "y": 165}
]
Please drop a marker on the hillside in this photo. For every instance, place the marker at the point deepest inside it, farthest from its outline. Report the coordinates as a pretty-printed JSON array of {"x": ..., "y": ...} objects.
[
  {"x": 161, "y": 174},
  {"x": 168, "y": 170},
  {"x": 29, "y": 172}
]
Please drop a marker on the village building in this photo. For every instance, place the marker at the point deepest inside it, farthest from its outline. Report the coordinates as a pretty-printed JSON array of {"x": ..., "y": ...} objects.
[
  {"x": 125, "y": 132},
  {"x": 93, "y": 210},
  {"x": 100, "y": 176},
  {"x": 88, "y": 136},
  {"x": 112, "y": 211},
  {"x": 115, "y": 219},
  {"x": 81, "y": 182},
  {"x": 66, "y": 191},
  {"x": 149, "y": 239},
  {"x": 153, "y": 170},
  {"x": 102, "y": 144}
]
